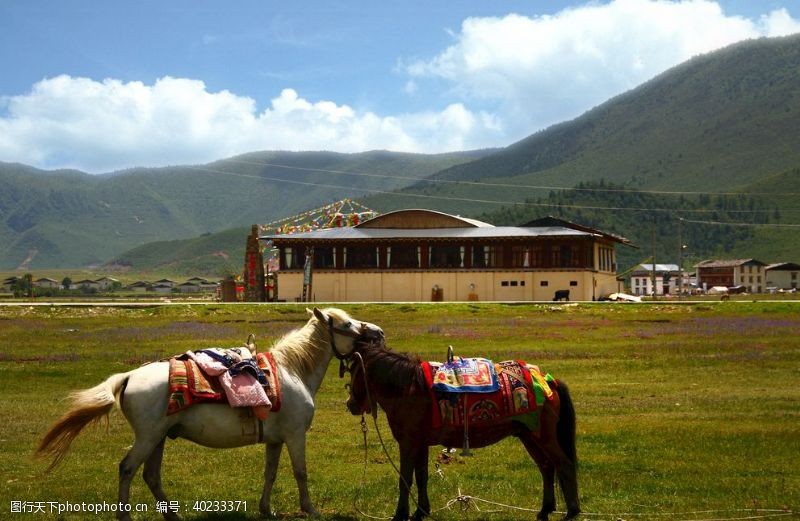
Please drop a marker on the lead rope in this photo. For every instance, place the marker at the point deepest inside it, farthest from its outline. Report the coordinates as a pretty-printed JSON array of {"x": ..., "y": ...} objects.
[{"x": 374, "y": 413}]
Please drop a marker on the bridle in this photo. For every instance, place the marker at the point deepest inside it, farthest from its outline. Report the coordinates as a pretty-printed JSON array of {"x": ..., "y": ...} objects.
[{"x": 343, "y": 357}]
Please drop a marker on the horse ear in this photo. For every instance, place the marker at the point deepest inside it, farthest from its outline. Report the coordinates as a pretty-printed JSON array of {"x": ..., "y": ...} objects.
[
  {"x": 309, "y": 311},
  {"x": 320, "y": 315}
]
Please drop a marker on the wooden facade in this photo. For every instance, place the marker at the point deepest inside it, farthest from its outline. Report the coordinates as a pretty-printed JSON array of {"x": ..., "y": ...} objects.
[{"x": 420, "y": 255}]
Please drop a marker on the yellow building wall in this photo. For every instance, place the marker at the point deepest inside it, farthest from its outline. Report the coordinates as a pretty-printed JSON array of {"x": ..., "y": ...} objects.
[{"x": 417, "y": 286}]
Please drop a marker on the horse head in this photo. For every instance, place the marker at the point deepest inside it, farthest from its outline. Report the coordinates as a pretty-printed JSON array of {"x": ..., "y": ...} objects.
[
  {"x": 359, "y": 401},
  {"x": 346, "y": 333}
]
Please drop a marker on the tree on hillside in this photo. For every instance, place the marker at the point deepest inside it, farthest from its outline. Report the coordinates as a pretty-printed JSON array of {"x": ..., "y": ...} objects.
[{"x": 66, "y": 282}]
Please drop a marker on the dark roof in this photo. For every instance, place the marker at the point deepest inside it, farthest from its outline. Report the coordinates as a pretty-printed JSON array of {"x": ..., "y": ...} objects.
[
  {"x": 728, "y": 263},
  {"x": 557, "y": 221},
  {"x": 450, "y": 228},
  {"x": 783, "y": 266},
  {"x": 494, "y": 232}
]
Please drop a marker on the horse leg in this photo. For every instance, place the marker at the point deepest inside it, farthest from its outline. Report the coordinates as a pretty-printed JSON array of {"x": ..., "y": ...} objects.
[
  {"x": 273, "y": 456},
  {"x": 407, "y": 464},
  {"x": 548, "y": 471},
  {"x": 127, "y": 469},
  {"x": 152, "y": 476},
  {"x": 297, "y": 453},
  {"x": 421, "y": 474},
  {"x": 568, "y": 479}
]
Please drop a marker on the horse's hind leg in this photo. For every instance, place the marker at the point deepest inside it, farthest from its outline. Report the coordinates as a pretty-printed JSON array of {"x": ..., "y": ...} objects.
[
  {"x": 297, "y": 453},
  {"x": 273, "y": 455},
  {"x": 548, "y": 471},
  {"x": 127, "y": 469},
  {"x": 152, "y": 476}
]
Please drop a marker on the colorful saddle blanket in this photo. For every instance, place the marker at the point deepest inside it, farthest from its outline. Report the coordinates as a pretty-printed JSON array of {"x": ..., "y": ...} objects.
[
  {"x": 466, "y": 375},
  {"x": 521, "y": 392},
  {"x": 250, "y": 383}
]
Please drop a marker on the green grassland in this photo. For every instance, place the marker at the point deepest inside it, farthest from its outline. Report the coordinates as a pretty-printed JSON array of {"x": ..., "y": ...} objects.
[{"x": 682, "y": 409}]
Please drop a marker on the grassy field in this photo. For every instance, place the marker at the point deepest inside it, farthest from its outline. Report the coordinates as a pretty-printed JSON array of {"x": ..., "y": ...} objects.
[{"x": 684, "y": 411}]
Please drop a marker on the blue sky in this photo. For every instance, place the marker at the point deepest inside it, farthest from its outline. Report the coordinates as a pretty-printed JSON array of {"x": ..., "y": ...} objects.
[{"x": 101, "y": 86}]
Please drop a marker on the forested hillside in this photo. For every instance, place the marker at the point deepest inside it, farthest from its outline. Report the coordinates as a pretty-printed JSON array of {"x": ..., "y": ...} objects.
[{"x": 69, "y": 219}]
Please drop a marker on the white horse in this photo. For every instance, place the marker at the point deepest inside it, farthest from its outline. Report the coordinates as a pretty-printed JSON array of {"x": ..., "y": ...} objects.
[{"x": 302, "y": 357}]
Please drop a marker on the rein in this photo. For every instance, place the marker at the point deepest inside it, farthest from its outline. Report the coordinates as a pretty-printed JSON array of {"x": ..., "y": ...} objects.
[
  {"x": 338, "y": 354},
  {"x": 374, "y": 413}
]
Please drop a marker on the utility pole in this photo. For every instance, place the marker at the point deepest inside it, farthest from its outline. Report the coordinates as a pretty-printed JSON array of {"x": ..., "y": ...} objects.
[
  {"x": 653, "y": 273},
  {"x": 680, "y": 258}
]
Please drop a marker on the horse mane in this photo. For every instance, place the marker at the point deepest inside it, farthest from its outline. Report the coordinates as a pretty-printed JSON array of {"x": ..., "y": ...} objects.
[
  {"x": 393, "y": 372},
  {"x": 299, "y": 350}
]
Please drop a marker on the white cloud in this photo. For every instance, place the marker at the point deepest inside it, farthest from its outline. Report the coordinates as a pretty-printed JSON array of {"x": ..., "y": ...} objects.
[
  {"x": 504, "y": 77},
  {"x": 536, "y": 71},
  {"x": 104, "y": 126}
]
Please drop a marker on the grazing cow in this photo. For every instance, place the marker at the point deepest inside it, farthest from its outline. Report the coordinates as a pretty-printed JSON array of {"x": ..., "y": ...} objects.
[{"x": 561, "y": 294}]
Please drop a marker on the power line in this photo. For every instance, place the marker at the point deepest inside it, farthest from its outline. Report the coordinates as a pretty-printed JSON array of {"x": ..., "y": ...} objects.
[
  {"x": 504, "y": 185},
  {"x": 768, "y": 225},
  {"x": 483, "y": 201}
]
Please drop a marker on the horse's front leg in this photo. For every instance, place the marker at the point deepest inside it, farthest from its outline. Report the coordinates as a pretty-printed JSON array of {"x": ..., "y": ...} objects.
[
  {"x": 273, "y": 456},
  {"x": 421, "y": 473},
  {"x": 407, "y": 464},
  {"x": 297, "y": 452}
]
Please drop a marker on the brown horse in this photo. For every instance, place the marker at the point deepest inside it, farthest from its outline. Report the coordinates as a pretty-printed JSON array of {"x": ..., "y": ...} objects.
[{"x": 396, "y": 382}]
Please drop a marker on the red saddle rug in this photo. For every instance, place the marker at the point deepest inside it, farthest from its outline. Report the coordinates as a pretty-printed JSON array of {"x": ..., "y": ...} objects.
[
  {"x": 188, "y": 385},
  {"x": 521, "y": 394}
]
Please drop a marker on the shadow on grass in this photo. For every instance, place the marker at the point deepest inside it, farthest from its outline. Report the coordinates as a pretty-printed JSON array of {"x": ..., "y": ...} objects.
[{"x": 244, "y": 516}]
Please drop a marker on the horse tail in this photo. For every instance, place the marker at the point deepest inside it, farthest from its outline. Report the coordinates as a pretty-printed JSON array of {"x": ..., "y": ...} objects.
[
  {"x": 565, "y": 430},
  {"x": 88, "y": 406}
]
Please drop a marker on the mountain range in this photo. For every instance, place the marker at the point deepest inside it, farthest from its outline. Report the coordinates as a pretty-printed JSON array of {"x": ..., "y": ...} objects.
[{"x": 721, "y": 123}]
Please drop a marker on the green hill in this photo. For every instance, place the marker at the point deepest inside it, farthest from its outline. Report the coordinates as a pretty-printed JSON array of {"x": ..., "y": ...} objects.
[
  {"x": 721, "y": 122},
  {"x": 53, "y": 219}
]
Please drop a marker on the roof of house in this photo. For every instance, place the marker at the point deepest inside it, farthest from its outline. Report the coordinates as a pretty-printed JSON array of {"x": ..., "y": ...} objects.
[
  {"x": 46, "y": 279},
  {"x": 728, "y": 263},
  {"x": 659, "y": 267},
  {"x": 420, "y": 218},
  {"x": 417, "y": 224},
  {"x": 783, "y": 266}
]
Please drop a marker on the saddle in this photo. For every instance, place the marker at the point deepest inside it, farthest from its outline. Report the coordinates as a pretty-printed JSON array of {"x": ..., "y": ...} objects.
[
  {"x": 230, "y": 376},
  {"x": 493, "y": 391}
]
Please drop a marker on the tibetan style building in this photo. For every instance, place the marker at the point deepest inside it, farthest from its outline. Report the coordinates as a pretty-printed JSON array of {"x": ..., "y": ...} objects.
[{"x": 423, "y": 255}]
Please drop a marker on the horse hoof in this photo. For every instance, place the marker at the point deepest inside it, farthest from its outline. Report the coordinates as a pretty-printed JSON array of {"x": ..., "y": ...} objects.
[
  {"x": 571, "y": 514},
  {"x": 269, "y": 514}
]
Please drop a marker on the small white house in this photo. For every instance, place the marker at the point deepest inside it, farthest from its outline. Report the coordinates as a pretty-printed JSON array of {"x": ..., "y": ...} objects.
[
  {"x": 106, "y": 283},
  {"x": 783, "y": 275},
  {"x": 667, "y": 279},
  {"x": 140, "y": 286},
  {"x": 86, "y": 284},
  {"x": 189, "y": 287},
  {"x": 47, "y": 283}
]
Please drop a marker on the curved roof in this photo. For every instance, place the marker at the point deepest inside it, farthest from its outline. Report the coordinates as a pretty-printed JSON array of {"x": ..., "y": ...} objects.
[{"x": 421, "y": 219}]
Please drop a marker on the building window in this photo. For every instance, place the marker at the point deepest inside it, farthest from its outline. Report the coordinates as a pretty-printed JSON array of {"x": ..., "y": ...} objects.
[
  {"x": 520, "y": 256},
  {"x": 361, "y": 257},
  {"x": 294, "y": 258},
  {"x": 573, "y": 283},
  {"x": 445, "y": 256},
  {"x": 543, "y": 283},
  {"x": 504, "y": 283},
  {"x": 324, "y": 258},
  {"x": 514, "y": 283},
  {"x": 485, "y": 256},
  {"x": 403, "y": 257}
]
